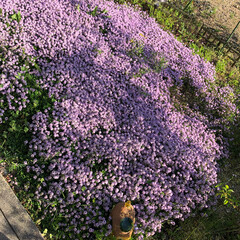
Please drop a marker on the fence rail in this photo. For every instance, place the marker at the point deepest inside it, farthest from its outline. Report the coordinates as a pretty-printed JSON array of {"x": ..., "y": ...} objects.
[{"x": 225, "y": 45}]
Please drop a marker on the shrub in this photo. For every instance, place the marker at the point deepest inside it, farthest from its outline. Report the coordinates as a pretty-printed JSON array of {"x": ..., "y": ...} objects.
[{"x": 121, "y": 124}]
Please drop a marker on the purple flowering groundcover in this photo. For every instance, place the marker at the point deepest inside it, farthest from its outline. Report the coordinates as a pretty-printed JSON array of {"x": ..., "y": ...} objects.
[{"x": 122, "y": 126}]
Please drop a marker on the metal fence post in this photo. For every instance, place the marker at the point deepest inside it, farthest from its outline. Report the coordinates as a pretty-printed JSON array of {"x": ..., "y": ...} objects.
[
  {"x": 187, "y": 5},
  {"x": 229, "y": 37}
]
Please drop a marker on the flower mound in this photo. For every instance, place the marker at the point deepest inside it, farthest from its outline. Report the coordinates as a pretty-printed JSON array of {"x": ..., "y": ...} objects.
[{"x": 115, "y": 132}]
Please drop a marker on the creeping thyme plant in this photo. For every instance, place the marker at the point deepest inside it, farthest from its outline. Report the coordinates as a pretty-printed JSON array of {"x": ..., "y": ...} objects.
[{"x": 112, "y": 108}]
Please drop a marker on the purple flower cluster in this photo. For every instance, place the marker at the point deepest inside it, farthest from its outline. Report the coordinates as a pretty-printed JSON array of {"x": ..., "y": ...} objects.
[
  {"x": 13, "y": 89},
  {"x": 114, "y": 133}
]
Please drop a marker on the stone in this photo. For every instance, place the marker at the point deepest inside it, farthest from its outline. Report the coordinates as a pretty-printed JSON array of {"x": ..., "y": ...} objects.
[{"x": 14, "y": 218}]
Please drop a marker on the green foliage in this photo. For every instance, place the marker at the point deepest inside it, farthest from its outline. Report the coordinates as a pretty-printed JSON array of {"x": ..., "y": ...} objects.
[
  {"x": 189, "y": 7},
  {"x": 137, "y": 49},
  {"x": 78, "y": 7},
  {"x": 207, "y": 53},
  {"x": 226, "y": 193},
  {"x": 221, "y": 65},
  {"x": 94, "y": 12},
  {"x": 155, "y": 63},
  {"x": 16, "y": 16},
  {"x": 15, "y": 126},
  {"x": 15, "y": 130}
]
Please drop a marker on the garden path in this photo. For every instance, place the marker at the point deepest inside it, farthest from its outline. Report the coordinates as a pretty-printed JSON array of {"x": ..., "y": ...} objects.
[{"x": 15, "y": 223}]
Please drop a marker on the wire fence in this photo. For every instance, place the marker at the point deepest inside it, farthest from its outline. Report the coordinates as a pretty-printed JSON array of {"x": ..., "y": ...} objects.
[{"x": 223, "y": 44}]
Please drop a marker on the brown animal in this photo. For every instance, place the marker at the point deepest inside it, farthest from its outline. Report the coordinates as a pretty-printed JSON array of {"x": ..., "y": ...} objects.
[{"x": 123, "y": 219}]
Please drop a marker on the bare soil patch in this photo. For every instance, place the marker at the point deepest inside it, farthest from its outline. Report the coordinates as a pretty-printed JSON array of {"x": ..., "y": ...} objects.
[{"x": 222, "y": 15}]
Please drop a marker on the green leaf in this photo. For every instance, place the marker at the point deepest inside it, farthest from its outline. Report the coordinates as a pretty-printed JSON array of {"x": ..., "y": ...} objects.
[
  {"x": 13, "y": 125},
  {"x": 83, "y": 188},
  {"x": 18, "y": 76},
  {"x": 35, "y": 103},
  {"x": 23, "y": 68},
  {"x": 227, "y": 187},
  {"x": 225, "y": 202},
  {"x": 38, "y": 222},
  {"x": 5, "y": 134},
  {"x": 71, "y": 227},
  {"x": 94, "y": 12},
  {"x": 37, "y": 67},
  {"x": 54, "y": 204},
  {"x": 25, "y": 129},
  {"x": 18, "y": 17},
  {"x": 104, "y": 11},
  {"x": 14, "y": 17}
]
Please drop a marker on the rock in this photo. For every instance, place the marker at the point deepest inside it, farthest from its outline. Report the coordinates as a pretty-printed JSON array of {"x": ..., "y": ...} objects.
[{"x": 3, "y": 169}]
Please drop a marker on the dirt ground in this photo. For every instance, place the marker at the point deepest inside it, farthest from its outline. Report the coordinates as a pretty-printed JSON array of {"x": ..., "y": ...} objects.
[{"x": 222, "y": 15}]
